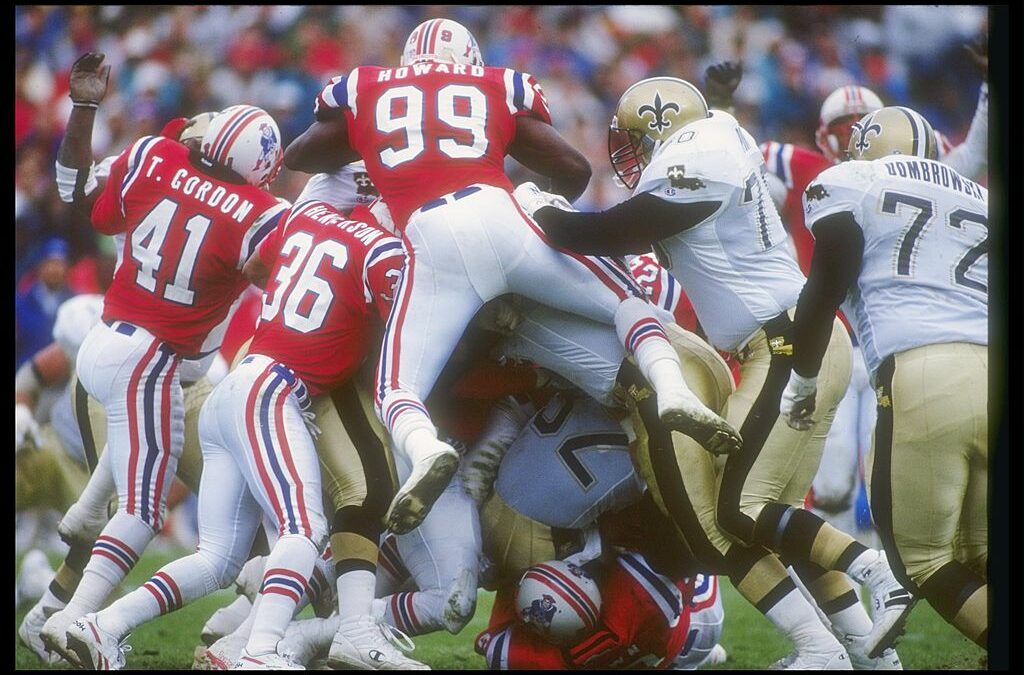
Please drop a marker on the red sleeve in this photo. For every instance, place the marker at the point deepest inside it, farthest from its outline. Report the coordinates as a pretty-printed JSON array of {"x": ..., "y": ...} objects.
[
  {"x": 172, "y": 129},
  {"x": 516, "y": 648},
  {"x": 524, "y": 96},
  {"x": 382, "y": 270},
  {"x": 270, "y": 248},
  {"x": 362, "y": 213},
  {"x": 600, "y": 649}
]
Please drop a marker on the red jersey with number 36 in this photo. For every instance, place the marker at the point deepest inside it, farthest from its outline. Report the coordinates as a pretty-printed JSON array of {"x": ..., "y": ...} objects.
[
  {"x": 332, "y": 281},
  {"x": 190, "y": 229},
  {"x": 431, "y": 128}
]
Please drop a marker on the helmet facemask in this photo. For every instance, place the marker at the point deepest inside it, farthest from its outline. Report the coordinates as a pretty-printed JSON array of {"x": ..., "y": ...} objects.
[{"x": 629, "y": 152}]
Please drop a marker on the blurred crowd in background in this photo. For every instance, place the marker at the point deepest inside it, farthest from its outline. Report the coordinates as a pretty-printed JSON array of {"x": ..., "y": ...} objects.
[{"x": 178, "y": 61}]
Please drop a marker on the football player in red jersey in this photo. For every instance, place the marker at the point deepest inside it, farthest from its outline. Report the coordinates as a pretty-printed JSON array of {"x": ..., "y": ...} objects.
[
  {"x": 192, "y": 221},
  {"x": 329, "y": 283},
  {"x": 434, "y": 133}
]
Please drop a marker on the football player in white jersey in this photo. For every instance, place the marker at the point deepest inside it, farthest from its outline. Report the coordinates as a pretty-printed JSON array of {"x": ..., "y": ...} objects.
[
  {"x": 904, "y": 240},
  {"x": 701, "y": 200}
]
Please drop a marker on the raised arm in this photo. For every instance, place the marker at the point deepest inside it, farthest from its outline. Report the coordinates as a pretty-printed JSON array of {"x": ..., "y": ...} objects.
[{"x": 76, "y": 179}]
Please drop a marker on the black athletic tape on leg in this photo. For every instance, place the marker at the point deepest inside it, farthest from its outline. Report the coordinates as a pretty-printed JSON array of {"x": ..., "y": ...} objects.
[
  {"x": 755, "y": 431},
  {"x": 881, "y": 477},
  {"x": 359, "y": 521},
  {"x": 852, "y": 552},
  {"x": 61, "y": 593},
  {"x": 772, "y": 598},
  {"x": 353, "y": 564},
  {"x": 950, "y": 587},
  {"x": 844, "y": 601},
  {"x": 78, "y": 557}
]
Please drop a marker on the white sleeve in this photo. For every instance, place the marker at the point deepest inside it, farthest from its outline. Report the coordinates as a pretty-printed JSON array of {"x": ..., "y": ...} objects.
[
  {"x": 838, "y": 189},
  {"x": 970, "y": 158},
  {"x": 692, "y": 177}
]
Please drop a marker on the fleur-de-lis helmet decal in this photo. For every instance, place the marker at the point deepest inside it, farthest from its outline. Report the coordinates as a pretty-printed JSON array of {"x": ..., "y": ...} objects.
[
  {"x": 647, "y": 114},
  {"x": 860, "y": 132},
  {"x": 658, "y": 111}
]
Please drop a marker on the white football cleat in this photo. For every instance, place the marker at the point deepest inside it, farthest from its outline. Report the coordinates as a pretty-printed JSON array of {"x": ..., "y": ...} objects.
[
  {"x": 225, "y": 620},
  {"x": 29, "y": 634},
  {"x": 34, "y": 577},
  {"x": 55, "y": 638},
  {"x": 806, "y": 660},
  {"x": 96, "y": 649},
  {"x": 430, "y": 476},
  {"x": 366, "y": 644},
  {"x": 272, "y": 661},
  {"x": 888, "y": 660},
  {"x": 681, "y": 411},
  {"x": 222, "y": 654},
  {"x": 715, "y": 656},
  {"x": 890, "y": 606}
]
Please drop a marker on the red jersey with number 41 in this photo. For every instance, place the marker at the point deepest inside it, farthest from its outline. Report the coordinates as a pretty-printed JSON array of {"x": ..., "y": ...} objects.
[
  {"x": 431, "y": 128},
  {"x": 332, "y": 282},
  {"x": 190, "y": 228}
]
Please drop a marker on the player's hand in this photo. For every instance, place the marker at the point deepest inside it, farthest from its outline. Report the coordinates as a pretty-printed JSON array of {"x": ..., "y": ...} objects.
[
  {"x": 25, "y": 427},
  {"x": 88, "y": 79},
  {"x": 721, "y": 80},
  {"x": 531, "y": 198},
  {"x": 309, "y": 419},
  {"x": 797, "y": 402},
  {"x": 979, "y": 55}
]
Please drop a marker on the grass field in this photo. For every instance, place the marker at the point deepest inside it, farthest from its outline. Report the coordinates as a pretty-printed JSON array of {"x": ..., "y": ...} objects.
[{"x": 748, "y": 637}]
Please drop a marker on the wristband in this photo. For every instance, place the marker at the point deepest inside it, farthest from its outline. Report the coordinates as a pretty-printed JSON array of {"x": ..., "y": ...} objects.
[{"x": 73, "y": 184}]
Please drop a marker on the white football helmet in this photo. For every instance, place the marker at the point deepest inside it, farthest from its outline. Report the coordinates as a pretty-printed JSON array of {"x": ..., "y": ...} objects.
[
  {"x": 841, "y": 109},
  {"x": 559, "y": 602},
  {"x": 245, "y": 139},
  {"x": 442, "y": 40}
]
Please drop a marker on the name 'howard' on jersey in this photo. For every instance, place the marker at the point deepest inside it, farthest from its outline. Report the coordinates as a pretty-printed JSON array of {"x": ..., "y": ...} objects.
[
  {"x": 735, "y": 266},
  {"x": 428, "y": 129},
  {"x": 924, "y": 276}
]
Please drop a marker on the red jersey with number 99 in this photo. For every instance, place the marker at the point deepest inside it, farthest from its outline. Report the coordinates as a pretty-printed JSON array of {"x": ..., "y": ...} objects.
[
  {"x": 190, "y": 228},
  {"x": 332, "y": 281},
  {"x": 431, "y": 128}
]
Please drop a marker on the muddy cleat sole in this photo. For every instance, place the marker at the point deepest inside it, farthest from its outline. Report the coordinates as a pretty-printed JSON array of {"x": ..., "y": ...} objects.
[
  {"x": 414, "y": 500},
  {"x": 713, "y": 433}
]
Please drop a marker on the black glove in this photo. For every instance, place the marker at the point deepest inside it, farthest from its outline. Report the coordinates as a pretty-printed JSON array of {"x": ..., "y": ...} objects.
[{"x": 720, "y": 81}]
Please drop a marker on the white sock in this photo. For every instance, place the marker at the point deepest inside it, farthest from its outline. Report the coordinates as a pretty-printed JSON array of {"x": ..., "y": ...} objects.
[
  {"x": 853, "y": 620},
  {"x": 284, "y": 584},
  {"x": 175, "y": 585},
  {"x": 355, "y": 593},
  {"x": 860, "y": 563},
  {"x": 50, "y": 601},
  {"x": 98, "y": 491},
  {"x": 115, "y": 553},
  {"x": 796, "y": 618},
  {"x": 420, "y": 443}
]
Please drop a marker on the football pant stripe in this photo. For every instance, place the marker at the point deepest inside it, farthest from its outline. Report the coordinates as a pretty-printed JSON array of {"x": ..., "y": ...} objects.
[
  {"x": 254, "y": 439},
  {"x": 133, "y": 424},
  {"x": 153, "y": 450},
  {"x": 165, "y": 424},
  {"x": 289, "y": 462}
]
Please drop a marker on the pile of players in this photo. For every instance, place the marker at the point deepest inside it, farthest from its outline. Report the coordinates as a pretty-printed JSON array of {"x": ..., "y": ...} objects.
[{"x": 463, "y": 382}]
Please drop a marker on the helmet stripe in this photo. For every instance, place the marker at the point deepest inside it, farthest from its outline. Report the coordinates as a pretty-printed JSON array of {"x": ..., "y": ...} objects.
[
  {"x": 916, "y": 145},
  {"x": 242, "y": 124},
  {"x": 435, "y": 29},
  {"x": 224, "y": 130},
  {"x": 230, "y": 133}
]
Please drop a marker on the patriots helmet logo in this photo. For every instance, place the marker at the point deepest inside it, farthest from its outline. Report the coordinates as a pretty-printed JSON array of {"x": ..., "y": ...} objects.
[
  {"x": 657, "y": 111},
  {"x": 269, "y": 147},
  {"x": 541, "y": 611}
]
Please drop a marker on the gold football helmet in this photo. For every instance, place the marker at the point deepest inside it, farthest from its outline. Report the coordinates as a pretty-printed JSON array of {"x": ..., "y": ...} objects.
[
  {"x": 648, "y": 113},
  {"x": 892, "y": 131}
]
